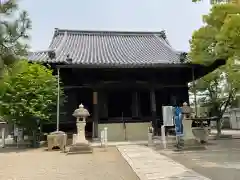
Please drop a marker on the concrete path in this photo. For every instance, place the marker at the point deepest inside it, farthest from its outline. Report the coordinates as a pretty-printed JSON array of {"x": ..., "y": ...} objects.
[{"x": 151, "y": 165}]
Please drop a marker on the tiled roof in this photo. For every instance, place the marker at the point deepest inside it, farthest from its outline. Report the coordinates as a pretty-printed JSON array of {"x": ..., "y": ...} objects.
[{"x": 108, "y": 48}]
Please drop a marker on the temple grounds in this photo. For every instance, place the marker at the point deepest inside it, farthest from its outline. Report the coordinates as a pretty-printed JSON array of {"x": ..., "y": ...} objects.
[
  {"x": 39, "y": 165},
  {"x": 219, "y": 162}
]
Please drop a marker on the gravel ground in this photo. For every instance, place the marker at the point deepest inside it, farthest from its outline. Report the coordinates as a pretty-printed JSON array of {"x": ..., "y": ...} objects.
[
  {"x": 221, "y": 161},
  {"x": 42, "y": 165}
]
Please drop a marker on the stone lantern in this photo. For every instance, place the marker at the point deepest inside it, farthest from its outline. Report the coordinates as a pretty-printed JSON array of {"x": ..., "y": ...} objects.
[
  {"x": 187, "y": 122},
  {"x": 80, "y": 144},
  {"x": 186, "y": 110}
]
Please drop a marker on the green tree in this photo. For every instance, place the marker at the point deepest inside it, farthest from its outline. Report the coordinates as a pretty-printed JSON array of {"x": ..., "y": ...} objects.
[
  {"x": 219, "y": 38},
  {"x": 217, "y": 91},
  {"x": 13, "y": 32},
  {"x": 28, "y": 92}
]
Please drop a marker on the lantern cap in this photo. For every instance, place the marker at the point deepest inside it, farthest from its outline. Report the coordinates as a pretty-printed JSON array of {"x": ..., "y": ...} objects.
[{"x": 81, "y": 112}]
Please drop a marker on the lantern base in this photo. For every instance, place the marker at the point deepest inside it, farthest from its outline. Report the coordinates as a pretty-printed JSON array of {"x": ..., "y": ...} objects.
[{"x": 80, "y": 148}]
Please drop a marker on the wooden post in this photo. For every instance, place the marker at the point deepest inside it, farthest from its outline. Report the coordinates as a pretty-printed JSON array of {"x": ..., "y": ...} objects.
[
  {"x": 153, "y": 110},
  {"x": 95, "y": 114},
  {"x": 135, "y": 104}
]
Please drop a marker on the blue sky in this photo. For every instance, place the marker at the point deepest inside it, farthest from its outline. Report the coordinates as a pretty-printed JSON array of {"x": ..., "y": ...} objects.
[{"x": 178, "y": 17}]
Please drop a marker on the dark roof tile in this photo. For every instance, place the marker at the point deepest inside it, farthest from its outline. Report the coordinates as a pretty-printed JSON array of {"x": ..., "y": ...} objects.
[{"x": 108, "y": 48}]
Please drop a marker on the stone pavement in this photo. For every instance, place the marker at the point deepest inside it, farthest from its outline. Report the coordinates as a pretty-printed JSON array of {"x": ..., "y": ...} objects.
[
  {"x": 234, "y": 133},
  {"x": 22, "y": 164},
  {"x": 221, "y": 160},
  {"x": 151, "y": 165}
]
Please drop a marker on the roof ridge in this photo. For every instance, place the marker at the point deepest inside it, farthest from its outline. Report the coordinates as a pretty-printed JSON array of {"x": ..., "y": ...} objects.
[{"x": 110, "y": 32}]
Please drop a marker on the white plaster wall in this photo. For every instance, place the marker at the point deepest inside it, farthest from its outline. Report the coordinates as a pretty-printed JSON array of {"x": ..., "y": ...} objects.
[{"x": 133, "y": 131}]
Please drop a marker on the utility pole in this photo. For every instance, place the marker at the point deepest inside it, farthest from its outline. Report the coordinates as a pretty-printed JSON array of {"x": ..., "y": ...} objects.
[{"x": 58, "y": 97}]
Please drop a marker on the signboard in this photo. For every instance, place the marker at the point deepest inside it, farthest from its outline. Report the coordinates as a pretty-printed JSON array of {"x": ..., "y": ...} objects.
[
  {"x": 18, "y": 132},
  {"x": 178, "y": 129},
  {"x": 167, "y": 112},
  {"x": 15, "y": 133},
  {"x": 178, "y": 121}
]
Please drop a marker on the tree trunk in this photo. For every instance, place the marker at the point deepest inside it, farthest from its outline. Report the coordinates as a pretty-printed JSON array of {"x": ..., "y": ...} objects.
[{"x": 35, "y": 141}]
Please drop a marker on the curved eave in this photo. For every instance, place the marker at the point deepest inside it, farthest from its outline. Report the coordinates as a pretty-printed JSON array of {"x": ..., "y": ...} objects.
[
  {"x": 146, "y": 65},
  {"x": 202, "y": 70}
]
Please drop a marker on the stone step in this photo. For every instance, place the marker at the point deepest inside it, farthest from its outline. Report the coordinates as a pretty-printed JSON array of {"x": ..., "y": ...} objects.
[
  {"x": 80, "y": 148},
  {"x": 186, "y": 145}
]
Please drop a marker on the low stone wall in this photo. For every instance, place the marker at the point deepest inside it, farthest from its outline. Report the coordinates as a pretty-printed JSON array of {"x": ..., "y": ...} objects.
[{"x": 132, "y": 132}]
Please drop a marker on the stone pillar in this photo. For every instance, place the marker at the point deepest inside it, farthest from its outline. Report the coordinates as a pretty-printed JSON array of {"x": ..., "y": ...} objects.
[
  {"x": 95, "y": 114},
  {"x": 187, "y": 124},
  {"x": 80, "y": 138}
]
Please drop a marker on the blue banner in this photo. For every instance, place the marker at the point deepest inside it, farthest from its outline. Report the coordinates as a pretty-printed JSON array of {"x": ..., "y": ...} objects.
[{"x": 178, "y": 121}]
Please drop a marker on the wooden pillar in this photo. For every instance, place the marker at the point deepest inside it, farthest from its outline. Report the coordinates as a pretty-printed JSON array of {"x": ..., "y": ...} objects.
[
  {"x": 153, "y": 109},
  {"x": 102, "y": 104},
  {"x": 135, "y": 104},
  {"x": 185, "y": 94},
  {"x": 95, "y": 114},
  {"x": 71, "y": 104}
]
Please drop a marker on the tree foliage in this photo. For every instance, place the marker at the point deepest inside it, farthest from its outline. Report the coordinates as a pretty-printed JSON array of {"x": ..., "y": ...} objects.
[
  {"x": 219, "y": 38},
  {"x": 208, "y": 41},
  {"x": 218, "y": 89},
  {"x": 28, "y": 91},
  {"x": 13, "y": 32}
]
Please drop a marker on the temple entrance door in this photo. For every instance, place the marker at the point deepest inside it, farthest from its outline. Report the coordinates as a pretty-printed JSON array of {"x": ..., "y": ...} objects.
[
  {"x": 119, "y": 104},
  {"x": 120, "y": 109},
  {"x": 85, "y": 97}
]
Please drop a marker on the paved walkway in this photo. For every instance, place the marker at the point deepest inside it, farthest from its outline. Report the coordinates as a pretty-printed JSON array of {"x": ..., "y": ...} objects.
[{"x": 150, "y": 165}]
